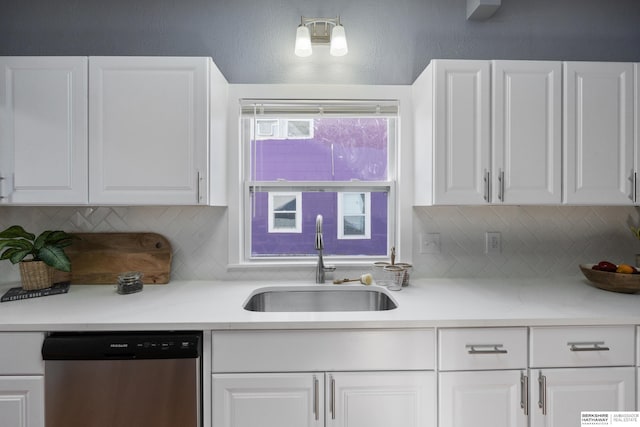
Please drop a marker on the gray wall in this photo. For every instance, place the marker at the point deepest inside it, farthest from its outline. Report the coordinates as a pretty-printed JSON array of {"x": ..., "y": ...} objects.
[{"x": 390, "y": 41}]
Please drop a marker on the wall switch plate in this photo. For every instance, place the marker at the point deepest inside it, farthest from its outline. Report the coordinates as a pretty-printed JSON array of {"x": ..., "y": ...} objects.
[
  {"x": 430, "y": 243},
  {"x": 493, "y": 242}
]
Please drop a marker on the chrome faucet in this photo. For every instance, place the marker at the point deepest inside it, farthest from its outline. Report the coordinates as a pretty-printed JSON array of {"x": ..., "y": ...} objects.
[{"x": 320, "y": 267}]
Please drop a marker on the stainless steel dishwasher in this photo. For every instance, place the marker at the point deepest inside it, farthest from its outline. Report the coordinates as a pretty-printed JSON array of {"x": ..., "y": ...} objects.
[{"x": 123, "y": 379}]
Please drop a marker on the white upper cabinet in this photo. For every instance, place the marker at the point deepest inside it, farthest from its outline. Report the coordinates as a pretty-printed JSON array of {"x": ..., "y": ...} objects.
[
  {"x": 43, "y": 130},
  {"x": 476, "y": 145},
  {"x": 148, "y": 122},
  {"x": 598, "y": 133},
  {"x": 527, "y": 137},
  {"x": 452, "y": 133}
]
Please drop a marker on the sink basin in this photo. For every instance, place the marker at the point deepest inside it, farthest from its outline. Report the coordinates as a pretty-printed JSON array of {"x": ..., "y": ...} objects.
[{"x": 319, "y": 298}]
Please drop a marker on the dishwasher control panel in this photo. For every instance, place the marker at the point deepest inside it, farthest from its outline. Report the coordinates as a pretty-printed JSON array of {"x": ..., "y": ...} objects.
[{"x": 122, "y": 345}]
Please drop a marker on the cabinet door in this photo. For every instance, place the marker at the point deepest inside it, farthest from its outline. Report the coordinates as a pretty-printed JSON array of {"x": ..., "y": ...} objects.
[
  {"x": 148, "y": 139},
  {"x": 598, "y": 133},
  {"x": 43, "y": 130},
  {"x": 268, "y": 400},
  {"x": 381, "y": 399},
  {"x": 527, "y": 149},
  {"x": 559, "y": 395},
  {"x": 482, "y": 399},
  {"x": 461, "y": 132},
  {"x": 22, "y": 401}
]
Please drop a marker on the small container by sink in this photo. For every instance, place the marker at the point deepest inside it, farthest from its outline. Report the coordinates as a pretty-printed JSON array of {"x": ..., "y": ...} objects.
[{"x": 319, "y": 299}]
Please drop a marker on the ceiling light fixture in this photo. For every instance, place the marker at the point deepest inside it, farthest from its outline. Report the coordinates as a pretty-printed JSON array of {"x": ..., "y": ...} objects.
[{"x": 321, "y": 31}]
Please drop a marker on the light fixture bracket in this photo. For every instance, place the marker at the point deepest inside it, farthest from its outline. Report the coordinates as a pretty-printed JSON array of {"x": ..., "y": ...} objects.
[
  {"x": 326, "y": 31},
  {"x": 320, "y": 28}
]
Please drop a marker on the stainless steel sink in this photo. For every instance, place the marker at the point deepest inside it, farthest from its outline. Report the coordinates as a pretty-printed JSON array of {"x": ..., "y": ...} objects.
[{"x": 320, "y": 298}]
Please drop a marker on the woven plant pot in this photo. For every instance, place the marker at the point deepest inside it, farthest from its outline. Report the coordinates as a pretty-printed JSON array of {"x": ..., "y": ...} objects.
[{"x": 35, "y": 275}]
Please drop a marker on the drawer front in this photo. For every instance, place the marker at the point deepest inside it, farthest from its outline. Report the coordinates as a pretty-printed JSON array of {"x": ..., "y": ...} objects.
[
  {"x": 582, "y": 346},
  {"x": 482, "y": 348},
  {"x": 323, "y": 350},
  {"x": 21, "y": 353}
]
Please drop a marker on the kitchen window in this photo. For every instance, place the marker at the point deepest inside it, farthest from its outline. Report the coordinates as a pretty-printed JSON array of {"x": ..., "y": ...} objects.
[
  {"x": 285, "y": 212},
  {"x": 354, "y": 215},
  {"x": 304, "y": 158}
]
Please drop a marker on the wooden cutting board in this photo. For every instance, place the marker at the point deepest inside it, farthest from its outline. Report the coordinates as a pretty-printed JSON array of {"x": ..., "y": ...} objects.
[{"x": 98, "y": 258}]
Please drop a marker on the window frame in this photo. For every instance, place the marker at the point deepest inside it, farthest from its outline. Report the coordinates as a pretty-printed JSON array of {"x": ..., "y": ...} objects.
[
  {"x": 298, "y": 212},
  {"x": 366, "y": 215},
  {"x": 280, "y": 129},
  {"x": 383, "y": 108}
]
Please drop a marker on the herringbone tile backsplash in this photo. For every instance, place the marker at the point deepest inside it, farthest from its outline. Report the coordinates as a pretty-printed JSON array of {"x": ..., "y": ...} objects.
[{"x": 536, "y": 241}]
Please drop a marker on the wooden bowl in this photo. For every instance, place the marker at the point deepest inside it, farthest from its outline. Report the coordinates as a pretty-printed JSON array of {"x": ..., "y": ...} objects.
[{"x": 615, "y": 282}]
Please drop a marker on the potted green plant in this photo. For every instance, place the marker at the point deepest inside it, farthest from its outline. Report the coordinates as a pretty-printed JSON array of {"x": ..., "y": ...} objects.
[{"x": 37, "y": 256}]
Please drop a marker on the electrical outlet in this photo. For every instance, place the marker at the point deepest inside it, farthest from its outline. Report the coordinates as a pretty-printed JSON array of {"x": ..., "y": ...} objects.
[
  {"x": 430, "y": 243},
  {"x": 493, "y": 242}
]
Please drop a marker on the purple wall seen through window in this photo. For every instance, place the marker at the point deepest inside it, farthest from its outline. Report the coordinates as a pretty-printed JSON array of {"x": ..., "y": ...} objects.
[{"x": 342, "y": 149}]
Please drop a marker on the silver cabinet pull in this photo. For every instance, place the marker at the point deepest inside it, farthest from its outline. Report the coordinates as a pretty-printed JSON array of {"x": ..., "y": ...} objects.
[
  {"x": 198, "y": 181},
  {"x": 634, "y": 189},
  {"x": 1, "y": 194},
  {"x": 316, "y": 398},
  {"x": 501, "y": 185},
  {"x": 485, "y": 349},
  {"x": 524, "y": 393},
  {"x": 588, "y": 346},
  {"x": 487, "y": 186},
  {"x": 333, "y": 398},
  {"x": 542, "y": 390}
]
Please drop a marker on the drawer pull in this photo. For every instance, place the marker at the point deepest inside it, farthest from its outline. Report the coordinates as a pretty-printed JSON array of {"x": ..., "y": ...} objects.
[
  {"x": 485, "y": 349},
  {"x": 588, "y": 346}
]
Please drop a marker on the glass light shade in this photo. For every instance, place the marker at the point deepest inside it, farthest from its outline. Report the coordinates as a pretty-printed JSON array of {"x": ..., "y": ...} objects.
[
  {"x": 303, "y": 41},
  {"x": 338, "y": 41}
]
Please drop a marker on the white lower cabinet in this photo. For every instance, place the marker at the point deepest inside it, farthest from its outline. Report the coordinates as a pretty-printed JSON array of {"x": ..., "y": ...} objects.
[
  {"x": 354, "y": 399},
  {"x": 268, "y": 400},
  {"x": 580, "y": 368},
  {"x": 380, "y": 399},
  {"x": 22, "y": 401},
  {"x": 560, "y": 395},
  {"x": 483, "y": 377},
  {"x": 21, "y": 380},
  {"x": 332, "y": 378},
  {"x": 483, "y": 399}
]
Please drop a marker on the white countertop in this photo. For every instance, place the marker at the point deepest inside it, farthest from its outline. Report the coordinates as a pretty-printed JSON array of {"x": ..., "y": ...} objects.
[{"x": 201, "y": 305}]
